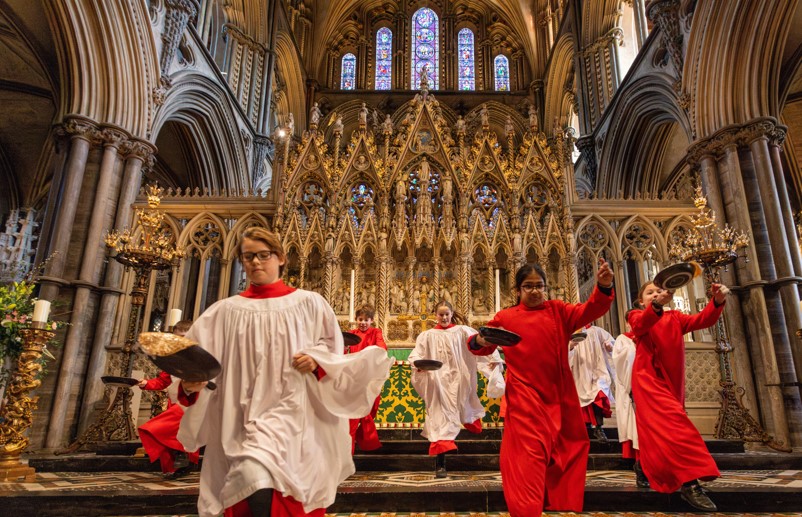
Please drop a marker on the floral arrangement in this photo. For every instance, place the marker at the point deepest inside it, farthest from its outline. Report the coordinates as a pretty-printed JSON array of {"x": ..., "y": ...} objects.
[{"x": 16, "y": 312}]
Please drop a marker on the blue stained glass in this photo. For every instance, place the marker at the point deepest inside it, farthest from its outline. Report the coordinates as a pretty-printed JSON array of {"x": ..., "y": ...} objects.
[
  {"x": 502, "y": 73},
  {"x": 425, "y": 47},
  {"x": 384, "y": 58},
  {"x": 465, "y": 50},
  {"x": 348, "y": 74}
]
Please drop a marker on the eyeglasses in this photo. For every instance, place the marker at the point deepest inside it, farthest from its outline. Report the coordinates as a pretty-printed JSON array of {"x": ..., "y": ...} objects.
[
  {"x": 263, "y": 256},
  {"x": 528, "y": 288}
]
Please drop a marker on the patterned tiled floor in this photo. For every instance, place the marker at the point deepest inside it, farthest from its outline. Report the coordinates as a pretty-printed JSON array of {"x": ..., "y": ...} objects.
[{"x": 150, "y": 481}]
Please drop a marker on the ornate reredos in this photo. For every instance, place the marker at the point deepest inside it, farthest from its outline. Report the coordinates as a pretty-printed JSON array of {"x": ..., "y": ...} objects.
[{"x": 492, "y": 202}]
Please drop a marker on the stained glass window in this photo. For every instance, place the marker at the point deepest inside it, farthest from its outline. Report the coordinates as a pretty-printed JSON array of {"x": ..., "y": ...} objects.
[
  {"x": 425, "y": 47},
  {"x": 348, "y": 74},
  {"x": 467, "y": 66},
  {"x": 502, "y": 73},
  {"x": 384, "y": 58}
]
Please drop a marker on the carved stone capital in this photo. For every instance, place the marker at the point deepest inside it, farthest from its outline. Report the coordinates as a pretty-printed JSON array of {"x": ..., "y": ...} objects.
[
  {"x": 80, "y": 127},
  {"x": 739, "y": 136},
  {"x": 113, "y": 137}
]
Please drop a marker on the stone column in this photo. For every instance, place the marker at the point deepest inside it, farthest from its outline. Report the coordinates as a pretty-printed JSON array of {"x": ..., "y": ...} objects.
[
  {"x": 781, "y": 251},
  {"x": 753, "y": 303},
  {"x": 82, "y": 133},
  {"x": 744, "y": 356},
  {"x": 776, "y": 139},
  {"x": 136, "y": 154},
  {"x": 81, "y": 314}
]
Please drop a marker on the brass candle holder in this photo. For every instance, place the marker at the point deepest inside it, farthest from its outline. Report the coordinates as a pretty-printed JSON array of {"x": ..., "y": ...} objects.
[
  {"x": 16, "y": 415},
  {"x": 152, "y": 249},
  {"x": 715, "y": 248}
]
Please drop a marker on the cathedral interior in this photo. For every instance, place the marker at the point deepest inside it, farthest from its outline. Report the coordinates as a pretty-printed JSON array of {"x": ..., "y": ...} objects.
[{"x": 406, "y": 152}]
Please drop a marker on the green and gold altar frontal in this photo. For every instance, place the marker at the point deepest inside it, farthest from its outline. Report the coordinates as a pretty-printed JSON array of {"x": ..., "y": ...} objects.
[{"x": 402, "y": 407}]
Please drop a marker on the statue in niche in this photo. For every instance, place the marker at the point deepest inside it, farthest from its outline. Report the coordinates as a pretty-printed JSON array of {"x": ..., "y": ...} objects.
[
  {"x": 338, "y": 125},
  {"x": 424, "y": 77},
  {"x": 424, "y": 199},
  {"x": 533, "y": 124},
  {"x": 484, "y": 116},
  {"x": 509, "y": 128},
  {"x": 363, "y": 116},
  {"x": 290, "y": 124},
  {"x": 400, "y": 191},
  {"x": 445, "y": 294},
  {"x": 314, "y": 114},
  {"x": 387, "y": 125},
  {"x": 460, "y": 126},
  {"x": 415, "y": 302}
]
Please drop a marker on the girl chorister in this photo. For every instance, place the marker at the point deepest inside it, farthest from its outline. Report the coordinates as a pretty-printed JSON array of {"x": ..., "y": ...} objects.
[{"x": 450, "y": 392}]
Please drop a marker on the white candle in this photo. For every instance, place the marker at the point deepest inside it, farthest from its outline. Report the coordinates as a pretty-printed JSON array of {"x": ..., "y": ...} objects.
[
  {"x": 498, "y": 291},
  {"x": 174, "y": 317},
  {"x": 41, "y": 310},
  {"x": 351, "y": 308}
]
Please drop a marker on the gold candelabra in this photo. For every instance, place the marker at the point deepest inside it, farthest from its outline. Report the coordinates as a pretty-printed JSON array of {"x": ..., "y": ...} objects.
[
  {"x": 150, "y": 249},
  {"x": 715, "y": 247},
  {"x": 16, "y": 415}
]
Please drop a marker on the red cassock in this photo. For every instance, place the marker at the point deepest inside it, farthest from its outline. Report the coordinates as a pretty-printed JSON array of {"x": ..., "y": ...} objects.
[
  {"x": 544, "y": 451},
  {"x": 363, "y": 430},
  {"x": 158, "y": 434},
  {"x": 672, "y": 451}
]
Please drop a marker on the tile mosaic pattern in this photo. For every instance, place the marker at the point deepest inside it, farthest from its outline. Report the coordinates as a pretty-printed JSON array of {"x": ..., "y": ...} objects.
[{"x": 152, "y": 481}]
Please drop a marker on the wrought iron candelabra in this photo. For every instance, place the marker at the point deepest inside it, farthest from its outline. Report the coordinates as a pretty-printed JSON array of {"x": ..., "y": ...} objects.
[
  {"x": 715, "y": 247},
  {"x": 150, "y": 249}
]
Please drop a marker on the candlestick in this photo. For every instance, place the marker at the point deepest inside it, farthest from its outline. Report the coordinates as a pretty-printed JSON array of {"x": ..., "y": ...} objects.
[
  {"x": 498, "y": 290},
  {"x": 41, "y": 310},
  {"x": 173, "y": 318},
  {"x": 351, "y": 307}
]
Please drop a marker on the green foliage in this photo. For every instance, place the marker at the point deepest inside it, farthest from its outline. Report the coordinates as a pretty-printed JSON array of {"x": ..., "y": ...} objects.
[{"x": 16, "y": 313}]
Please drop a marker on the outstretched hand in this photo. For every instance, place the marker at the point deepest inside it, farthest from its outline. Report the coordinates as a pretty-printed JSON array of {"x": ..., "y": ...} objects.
[
  {"x": 604, "y": 276},
  {"x": 720, "y": 292}
]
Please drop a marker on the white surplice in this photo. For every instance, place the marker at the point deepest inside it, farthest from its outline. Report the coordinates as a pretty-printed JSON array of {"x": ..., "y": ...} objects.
[
  {"x": 623, "y": 359},
  {"x": 267, "y": 425},
  {"x": 450, "y": 392},
  {"x": 591, "y": 366}
]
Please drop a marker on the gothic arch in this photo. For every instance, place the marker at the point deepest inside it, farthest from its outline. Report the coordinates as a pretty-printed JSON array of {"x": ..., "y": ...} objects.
[
  {"x": 636, "y": 157},
  {"x": 733, "y": 64},
  {"x": 109, "y": 65},
  {"x": 658, "y": 240},
  {"x": 598, "y": 18},
  {"x": 288, "y": 65},
  {"x": 197, "y": 110},
  {"x": 561, "y": 73}
]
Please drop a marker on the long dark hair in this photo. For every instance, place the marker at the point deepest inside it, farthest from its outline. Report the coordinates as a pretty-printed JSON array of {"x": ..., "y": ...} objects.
[
  {"x": 455, "y": 316},
  {"x": 523, "y": 272}
]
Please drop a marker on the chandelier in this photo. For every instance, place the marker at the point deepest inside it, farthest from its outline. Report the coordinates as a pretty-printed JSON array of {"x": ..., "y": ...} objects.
[
  {"x": 705, "y": 242},
  {"x": 152, "y": 248}
]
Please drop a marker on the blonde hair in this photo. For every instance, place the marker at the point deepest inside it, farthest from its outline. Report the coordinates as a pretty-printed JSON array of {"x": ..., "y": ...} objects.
[{"x": 271, "y": 239}]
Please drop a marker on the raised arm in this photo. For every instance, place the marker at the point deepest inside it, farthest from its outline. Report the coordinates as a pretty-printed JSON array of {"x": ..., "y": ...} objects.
[
  {"x": 709, "y": 315},
  {"x": 598, "y": 304}
]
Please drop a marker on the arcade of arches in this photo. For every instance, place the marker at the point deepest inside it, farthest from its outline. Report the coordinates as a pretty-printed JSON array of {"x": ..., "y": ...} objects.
[{"x": 416, "y": 151}]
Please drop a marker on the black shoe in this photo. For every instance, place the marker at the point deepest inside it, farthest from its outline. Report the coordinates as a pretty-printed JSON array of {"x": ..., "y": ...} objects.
[
  {"x": 641, "y": 481},
  {"x": 179, "y": 473},
  {"x": 180, "y": 459},
  {"x": 598, "y": 434},
  {"x": 440, "y": 466},
  {"x": 695, "y": 495}
]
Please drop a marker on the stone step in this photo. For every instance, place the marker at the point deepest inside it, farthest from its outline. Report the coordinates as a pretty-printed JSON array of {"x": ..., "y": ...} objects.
[
  {"x": 69, "y": 494},
  {"x": 377, "y": 462},
  {"x": 472, "y": 445}
]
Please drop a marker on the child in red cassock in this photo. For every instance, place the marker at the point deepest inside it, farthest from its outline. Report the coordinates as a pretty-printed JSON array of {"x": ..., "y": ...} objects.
[
  {"x": 544, "y": 451},
  {"x": 672, "y": 453}
]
